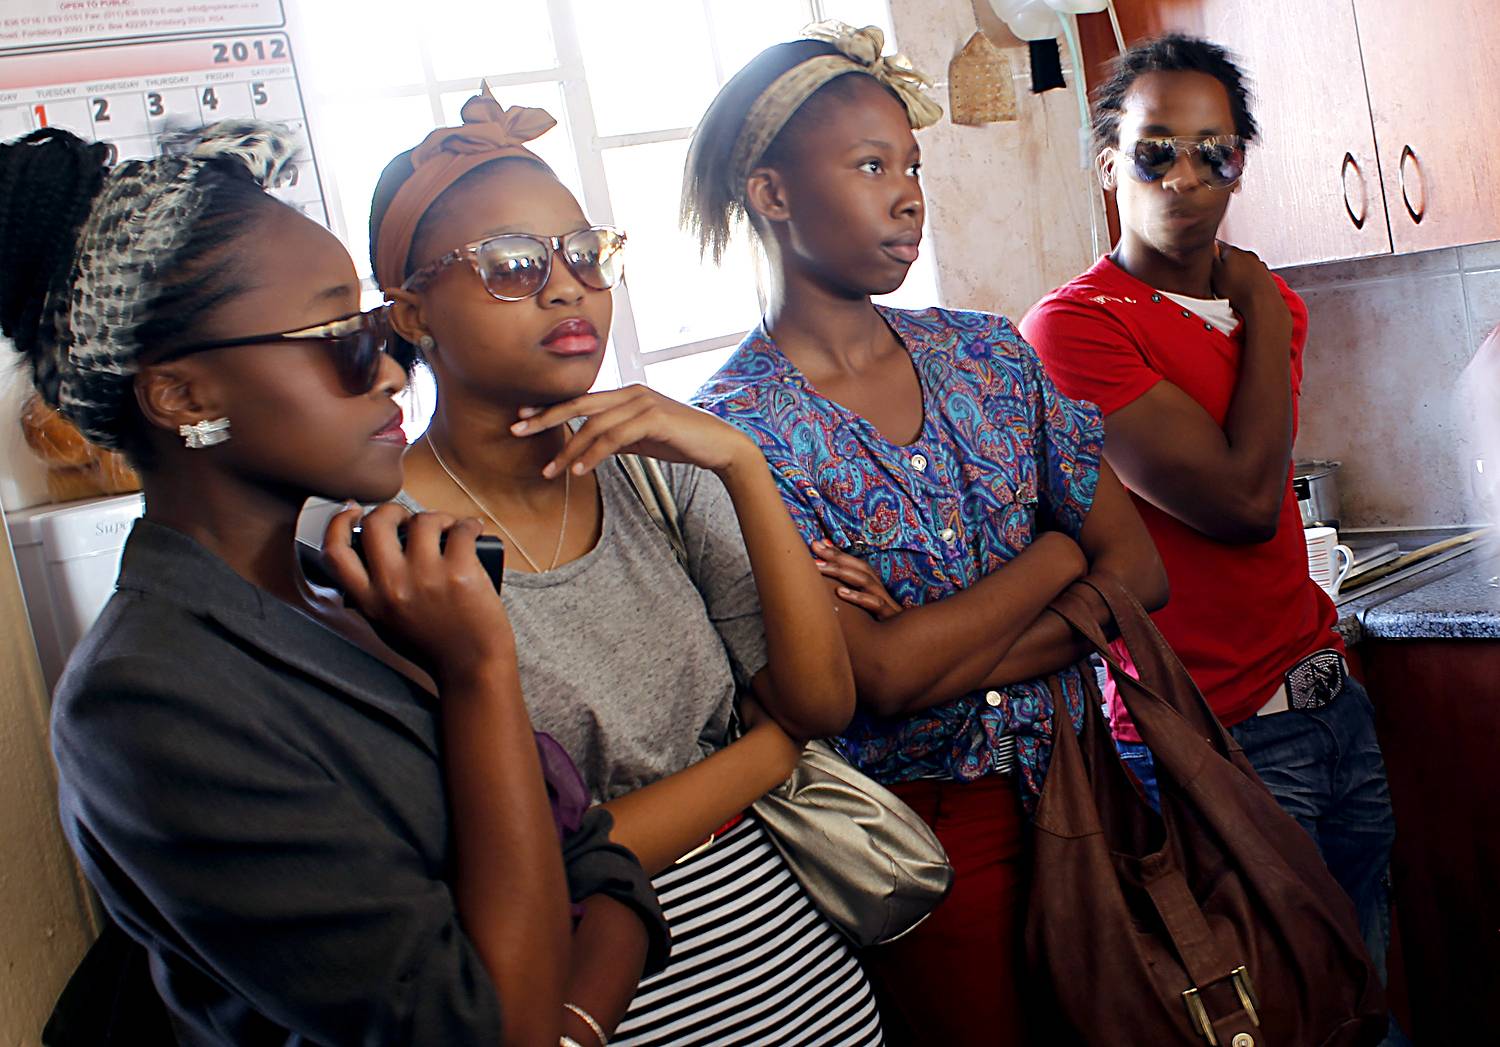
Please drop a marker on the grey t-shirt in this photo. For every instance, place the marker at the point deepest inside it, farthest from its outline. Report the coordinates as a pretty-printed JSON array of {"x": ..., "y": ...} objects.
[{"x": 630, "y": 662}]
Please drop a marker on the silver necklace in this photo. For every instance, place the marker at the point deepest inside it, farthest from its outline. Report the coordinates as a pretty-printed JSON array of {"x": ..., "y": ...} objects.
[{"x": 561, "y": 531}]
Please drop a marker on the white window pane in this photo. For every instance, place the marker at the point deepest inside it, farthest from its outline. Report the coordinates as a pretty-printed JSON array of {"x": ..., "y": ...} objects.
[
  {"x": 681, "y": 378},
  {"x": 860, "y": 13},
  {"x": 649, "y": 67},
  {"x": 609, "y": 371},
  {"x": 675, "y": 297},
  {"x": 474, "y": 38},
  {"x": 417, "y": 402},
  {"x": 741, "y": 31},
  {"x": 356, "y": 139},
  {"x": 353, "y": 49},
  {"x": 555, "y": 146}
]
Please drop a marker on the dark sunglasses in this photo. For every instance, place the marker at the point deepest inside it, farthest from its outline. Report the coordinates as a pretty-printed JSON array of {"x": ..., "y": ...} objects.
[
  {"x": 356, "y": 342},
  {"x": 1218, "y": 159},
  {"x": 515, "y": 266}
]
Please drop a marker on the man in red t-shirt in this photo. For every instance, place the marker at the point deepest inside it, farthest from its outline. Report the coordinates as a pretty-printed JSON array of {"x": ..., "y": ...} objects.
[{"x": 1193, "y": 351}]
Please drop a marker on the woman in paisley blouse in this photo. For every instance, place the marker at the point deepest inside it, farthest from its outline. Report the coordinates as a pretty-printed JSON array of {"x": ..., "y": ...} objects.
[{"x": 949, "y": 492}]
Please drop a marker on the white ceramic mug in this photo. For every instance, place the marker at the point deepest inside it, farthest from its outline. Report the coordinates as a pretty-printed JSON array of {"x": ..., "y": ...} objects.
[{"x": 1327, "y": 561}]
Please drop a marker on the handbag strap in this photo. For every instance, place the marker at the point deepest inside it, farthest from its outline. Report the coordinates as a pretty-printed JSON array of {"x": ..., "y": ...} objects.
[
  {"x": 1161, "y": 684},
  {"x": 1212, "y": 972},
  {"x": 650, "y": 485}
]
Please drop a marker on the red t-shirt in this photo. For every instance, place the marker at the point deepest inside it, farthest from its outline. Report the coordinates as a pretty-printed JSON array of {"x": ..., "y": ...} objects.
[{"x": 1240, "y": 615}]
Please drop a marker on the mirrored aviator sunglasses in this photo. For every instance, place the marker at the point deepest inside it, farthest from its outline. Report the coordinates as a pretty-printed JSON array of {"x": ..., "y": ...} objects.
[
  {"x": 1218, "y": 159},
  {"x": 516, "y": 266},
  {"x": 356, "y": 343}
]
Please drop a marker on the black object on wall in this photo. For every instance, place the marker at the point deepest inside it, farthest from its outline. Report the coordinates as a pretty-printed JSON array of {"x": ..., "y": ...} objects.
[{"x": 1046, "y": 66}]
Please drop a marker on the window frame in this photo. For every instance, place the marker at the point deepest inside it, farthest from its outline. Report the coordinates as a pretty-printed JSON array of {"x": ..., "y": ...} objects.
[{"x": 630, "y": 358}]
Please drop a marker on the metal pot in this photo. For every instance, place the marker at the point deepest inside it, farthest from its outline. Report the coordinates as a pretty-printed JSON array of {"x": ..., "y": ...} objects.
[{"x": 1317, "y": 493}]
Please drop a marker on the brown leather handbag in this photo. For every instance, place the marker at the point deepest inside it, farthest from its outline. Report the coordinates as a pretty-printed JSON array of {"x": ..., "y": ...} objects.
[{"x": 1215, "y": 922}]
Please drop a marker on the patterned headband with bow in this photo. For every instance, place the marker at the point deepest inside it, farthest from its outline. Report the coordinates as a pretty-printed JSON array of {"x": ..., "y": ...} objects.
[{"x": 859, "y": 52}]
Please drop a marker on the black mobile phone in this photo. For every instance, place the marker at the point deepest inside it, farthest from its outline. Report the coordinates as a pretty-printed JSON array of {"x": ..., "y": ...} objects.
[{"x": 489, "y": 549}]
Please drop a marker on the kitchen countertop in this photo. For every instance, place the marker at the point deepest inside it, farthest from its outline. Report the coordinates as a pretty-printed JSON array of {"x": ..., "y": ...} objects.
[{"x": 1449, "y": 601}]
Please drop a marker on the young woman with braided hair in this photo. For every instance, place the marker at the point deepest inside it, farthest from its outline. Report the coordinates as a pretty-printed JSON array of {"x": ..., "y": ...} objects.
[{"x": 249, "y": 764}]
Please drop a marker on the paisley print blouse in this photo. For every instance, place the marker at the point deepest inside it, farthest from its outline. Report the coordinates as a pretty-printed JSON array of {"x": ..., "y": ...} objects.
[{"x": 1001, "y": 455}]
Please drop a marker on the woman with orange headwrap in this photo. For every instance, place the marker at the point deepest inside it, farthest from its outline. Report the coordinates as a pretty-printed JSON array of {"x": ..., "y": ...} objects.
[{"x": 631, "y": 655}]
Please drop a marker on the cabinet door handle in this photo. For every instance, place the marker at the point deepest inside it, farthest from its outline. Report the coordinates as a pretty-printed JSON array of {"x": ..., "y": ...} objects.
[
  {"x": 1364, "y": 201},
  {"x": 1408, "y": 153}
]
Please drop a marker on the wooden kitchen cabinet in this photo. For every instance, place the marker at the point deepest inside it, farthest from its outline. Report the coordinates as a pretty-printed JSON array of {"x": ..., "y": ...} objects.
[
  {"x": 1342, "y": 88},
  {"x": 1312, "y": 189},
  {"x": 1437, "y": 712},
  {"x": 1433, "y": 70}
]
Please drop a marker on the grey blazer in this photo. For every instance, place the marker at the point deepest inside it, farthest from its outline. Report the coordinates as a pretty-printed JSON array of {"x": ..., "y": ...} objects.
[{"x": 259, "y": 802}]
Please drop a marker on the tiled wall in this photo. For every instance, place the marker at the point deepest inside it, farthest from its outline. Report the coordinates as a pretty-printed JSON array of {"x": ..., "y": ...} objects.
[{"x": 1384, "y": 391}]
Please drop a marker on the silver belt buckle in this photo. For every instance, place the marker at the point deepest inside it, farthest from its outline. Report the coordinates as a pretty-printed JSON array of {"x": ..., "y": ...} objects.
[{"x": 1316, "y": 680}]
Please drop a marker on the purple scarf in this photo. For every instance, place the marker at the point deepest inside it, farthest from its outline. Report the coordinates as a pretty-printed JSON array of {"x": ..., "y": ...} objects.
[
  {"x": 565, "y": 788},
  {"x": 566, "y": 791}
]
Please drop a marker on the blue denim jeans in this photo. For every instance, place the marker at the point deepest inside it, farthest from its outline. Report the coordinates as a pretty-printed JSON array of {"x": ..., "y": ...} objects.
[{"x": 1325, "y": 769}]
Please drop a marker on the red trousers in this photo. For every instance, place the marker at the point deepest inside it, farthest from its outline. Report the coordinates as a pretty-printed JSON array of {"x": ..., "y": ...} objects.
[{"x": 955, "y": 978}]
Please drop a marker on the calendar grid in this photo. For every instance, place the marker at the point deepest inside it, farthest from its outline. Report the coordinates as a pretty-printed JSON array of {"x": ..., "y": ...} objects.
[{"x": 131, "y": 95}]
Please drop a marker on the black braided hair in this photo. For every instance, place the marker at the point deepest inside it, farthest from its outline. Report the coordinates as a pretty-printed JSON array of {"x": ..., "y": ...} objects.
[
  {"x": 204, "y": 272},
  {"x": 48, "y": 181},
  {"x": 1171, "y": 53},
  {"x": 206, "y": 269}
]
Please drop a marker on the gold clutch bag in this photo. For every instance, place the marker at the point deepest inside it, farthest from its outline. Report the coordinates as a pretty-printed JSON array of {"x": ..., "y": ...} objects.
[{"x": 865, "y": 858}]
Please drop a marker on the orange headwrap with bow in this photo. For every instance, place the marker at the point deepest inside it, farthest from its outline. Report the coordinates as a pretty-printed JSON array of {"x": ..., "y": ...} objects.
[{"x": 489, "y": 131}]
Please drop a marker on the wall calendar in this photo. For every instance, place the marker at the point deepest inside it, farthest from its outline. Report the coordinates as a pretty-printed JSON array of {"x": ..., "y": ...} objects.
[{"x": 124, "y": 72}]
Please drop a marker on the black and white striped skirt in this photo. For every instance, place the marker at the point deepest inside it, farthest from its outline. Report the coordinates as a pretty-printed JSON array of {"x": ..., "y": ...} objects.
[{"x": 753, "y": 962}]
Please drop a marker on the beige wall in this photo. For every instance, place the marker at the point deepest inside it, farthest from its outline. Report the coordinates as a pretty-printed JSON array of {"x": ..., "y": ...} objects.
[
  {"x": 44, "y": 921},
  {"x": 1008, "y": 203},
  {"x": 1388, "y": 341}
]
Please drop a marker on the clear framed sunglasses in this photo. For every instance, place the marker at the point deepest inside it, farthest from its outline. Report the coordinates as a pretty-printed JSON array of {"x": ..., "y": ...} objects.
[
  {"x": 1218, "y": 159},
  {"x": 515, "y": 266},
  {"x": 356, "y": 343}
]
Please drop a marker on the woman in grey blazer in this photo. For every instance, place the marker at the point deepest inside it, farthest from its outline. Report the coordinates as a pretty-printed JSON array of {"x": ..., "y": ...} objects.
[{"x": 324, "y": 826}]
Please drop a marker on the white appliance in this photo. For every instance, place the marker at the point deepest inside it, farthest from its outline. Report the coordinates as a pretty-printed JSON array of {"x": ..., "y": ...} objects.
[{"x": 68, "y": 557}]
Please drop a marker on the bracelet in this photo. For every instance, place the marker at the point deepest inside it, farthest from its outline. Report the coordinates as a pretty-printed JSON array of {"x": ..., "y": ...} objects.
[
  {"x": 567, "y": 1041},
  {"x": 587, "y": 1019}
]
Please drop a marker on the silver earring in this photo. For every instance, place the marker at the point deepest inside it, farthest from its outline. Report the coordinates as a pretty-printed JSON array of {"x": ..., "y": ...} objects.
[
  {"x": 205, "y": 433},
  {"x": 427, "y": 343}
]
